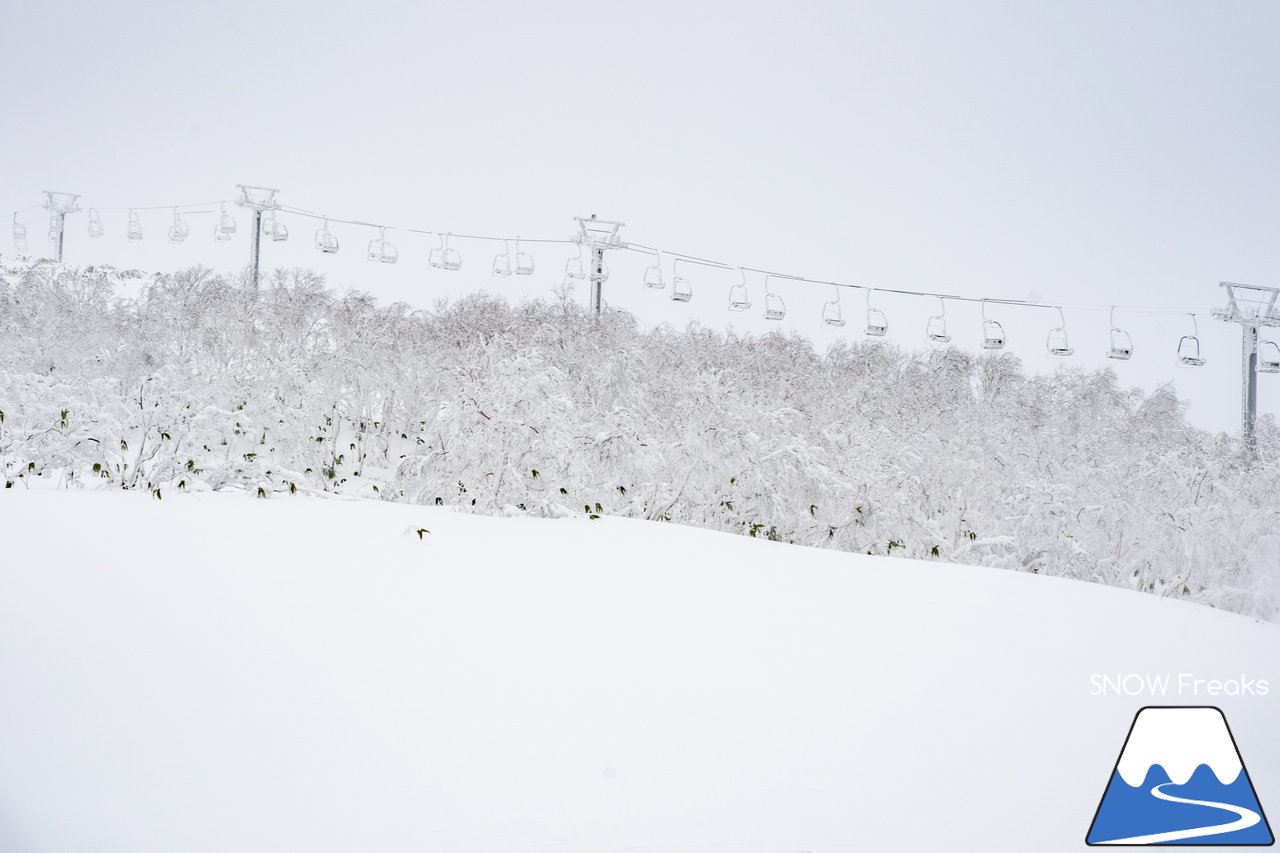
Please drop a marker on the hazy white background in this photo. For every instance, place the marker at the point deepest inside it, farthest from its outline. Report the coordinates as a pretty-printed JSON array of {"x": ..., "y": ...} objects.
[{"x": 1088, "y": 153}]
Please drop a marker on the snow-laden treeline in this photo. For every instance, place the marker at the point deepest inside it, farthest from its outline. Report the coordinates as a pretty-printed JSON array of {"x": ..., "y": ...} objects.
[{"x": 205, "y": 382}]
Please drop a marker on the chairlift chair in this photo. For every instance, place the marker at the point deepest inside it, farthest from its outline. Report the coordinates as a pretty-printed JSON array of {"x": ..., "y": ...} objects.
[
  {"x": 739, "y": 299},
  {"x": 653, "y": 275},
  {"x": 524, "y": 261},
  {"x": 275, "y": 229},
  {"x": 178, "y": 231},
  {"x": 444, "y": 257},
  {"x": 383, "y": 250},
  {"x": 936, "y": 329},
  {"x": 19, "y": 235},
  {"x": 1268, "y": 357},
  {"x": 135, "y": 226},
  {"x": 1056, "y": 343},
  {"x": 774, "y": 307},
  {"x": 326, "y": 240},
  {"x": 225, "y": 227},
  {"x": 877, "y": 323},
  {"x": 1121, "y": 344},
  {"x": 574, "y": 268},
  {"x": 681, "y": 289},
  {"x": 502, "y": 261},
  {"x": 992, "y": 332},
  {"x": 831, "y": 313},
  {"x": 1189, "y": 347},
  {"x": 95, "y": 224}
]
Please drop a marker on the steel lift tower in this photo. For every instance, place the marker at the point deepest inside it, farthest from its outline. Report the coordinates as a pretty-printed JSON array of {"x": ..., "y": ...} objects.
[
  {"x": 59, "y": 205},
  {"x": 1252, "y": 307},
  {"x": 256, "y": 199}
]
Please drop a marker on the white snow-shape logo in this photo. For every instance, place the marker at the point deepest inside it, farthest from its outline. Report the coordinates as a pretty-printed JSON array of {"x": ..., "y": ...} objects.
[{"x": 1180, "y": 780}]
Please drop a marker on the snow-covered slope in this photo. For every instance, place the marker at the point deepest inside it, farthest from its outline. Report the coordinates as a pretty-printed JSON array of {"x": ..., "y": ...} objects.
[{"x": 213, "y": 673}]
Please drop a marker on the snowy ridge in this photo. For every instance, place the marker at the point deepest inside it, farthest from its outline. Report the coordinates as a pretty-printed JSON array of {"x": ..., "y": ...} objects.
[{"x": 1179, "y": 740}]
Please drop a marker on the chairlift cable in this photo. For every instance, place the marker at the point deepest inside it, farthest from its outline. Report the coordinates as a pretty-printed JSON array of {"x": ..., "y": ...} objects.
[
  {"x": 170, "y": 206},
  {"x": 296, "y": 211},
  {"x": 1021, "y": 303}
]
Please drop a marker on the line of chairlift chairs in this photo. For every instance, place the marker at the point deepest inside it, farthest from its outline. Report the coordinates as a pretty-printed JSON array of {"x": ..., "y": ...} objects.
[
  {"x": 519, "y": 262},
  {"x": 877, "y": 324}
]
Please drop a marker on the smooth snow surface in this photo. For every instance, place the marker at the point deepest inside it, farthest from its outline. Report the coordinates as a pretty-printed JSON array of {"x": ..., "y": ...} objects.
[{"x": 215, "y": 673}]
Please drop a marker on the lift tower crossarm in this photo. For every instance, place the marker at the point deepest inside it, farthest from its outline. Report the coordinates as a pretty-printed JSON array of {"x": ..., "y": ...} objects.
[{"x": 599, "y": 234}]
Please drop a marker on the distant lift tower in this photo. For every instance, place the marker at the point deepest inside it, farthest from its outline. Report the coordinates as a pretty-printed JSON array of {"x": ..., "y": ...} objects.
[
  {"x": 599, "y": 234},
  {"x": 59, "y": 205},
  {"x": 1252, "y": 307},
  {"x": 256, "y": 199}
]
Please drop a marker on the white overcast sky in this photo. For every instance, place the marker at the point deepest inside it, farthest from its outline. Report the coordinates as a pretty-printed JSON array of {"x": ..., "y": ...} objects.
[{"x": 1086, "y": 153}]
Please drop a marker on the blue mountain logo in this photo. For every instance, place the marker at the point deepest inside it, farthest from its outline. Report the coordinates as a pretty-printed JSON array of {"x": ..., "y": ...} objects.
[{"x": 1180, "y": 780}]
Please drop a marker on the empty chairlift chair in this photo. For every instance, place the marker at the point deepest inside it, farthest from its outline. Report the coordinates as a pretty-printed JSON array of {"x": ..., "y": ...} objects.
[
  {"x": 502, "y": 261},
  {"x": 225, "y": 226},
  {"x": 739, "y": 299},
  {"x": 1121, "y": 344},
  {"x": 1056, "y": 343},
  {"x": 135, "y": 226},
  {"x": 178, "y": 230},
  {"x": 574, "y": 268},
  {"x": 95, "y": 224},
  {"x": 19, "y": 235},
  {"x": 653, "y": 275},
  {"x": 992, "y": 332},
  {"x": 936, "y": 329},
  {"x": 774, "y": 307},
  {"x": 681, "y": 288},
  {"x": 877, "y": 323},
  {"x": 275, "y": 229},
  {"x": 831, "y": 313},
  {"x": 524, "y": 261},
  {"x": 383, "y": 250},
  {"x": 444, "y": 257},
  {"x": 326, "y": 240},
  {"x": 1268, "y": 357},
  {"x": 1189, "y": 347}
]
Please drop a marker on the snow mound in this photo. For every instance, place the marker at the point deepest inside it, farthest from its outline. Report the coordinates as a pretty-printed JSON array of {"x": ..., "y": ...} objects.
[{"x": 210, "y": 673}]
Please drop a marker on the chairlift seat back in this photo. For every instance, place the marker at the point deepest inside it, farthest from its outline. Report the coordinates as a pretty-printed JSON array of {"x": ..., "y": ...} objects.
[
  {"x": 992, "y": 335},
  {"x": 774, "y": 307},
  {"x": 877, "y": 323},
  {"x": 1269, "y": 357},
  {"x": 383, "y": 251},
  {"x": 1121, "y": 346},
  {"x": 1189, "y": 351},
  {"x": 681, "y": 290},
  {"x": 653, "y": 278},
  {"x": 936, "y": 330},
  {"x": 327, "y": 241},
  {"x": 1057, "y": 343}
]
